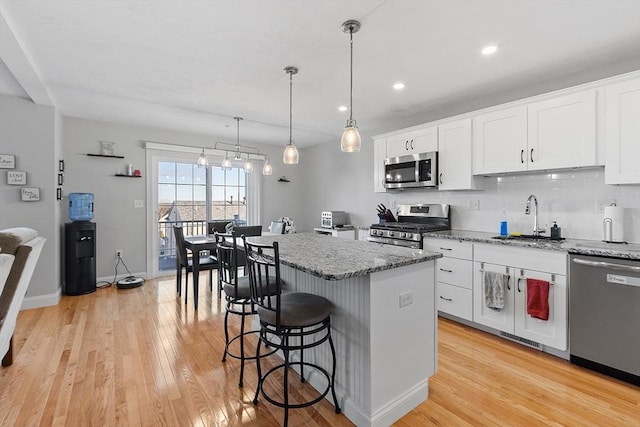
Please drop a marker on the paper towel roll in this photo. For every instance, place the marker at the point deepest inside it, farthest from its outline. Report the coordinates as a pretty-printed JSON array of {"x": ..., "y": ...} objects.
[{"x": 613, "y": 224}]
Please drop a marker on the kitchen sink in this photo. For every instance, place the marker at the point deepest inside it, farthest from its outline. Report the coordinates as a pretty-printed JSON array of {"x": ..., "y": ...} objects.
[{"x": 528, "y": 237}]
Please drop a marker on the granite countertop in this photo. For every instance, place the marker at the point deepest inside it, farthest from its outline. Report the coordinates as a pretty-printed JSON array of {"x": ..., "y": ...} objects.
[
  {"x": 333, "y": 258},
  {"x": 572, "y": 246}
]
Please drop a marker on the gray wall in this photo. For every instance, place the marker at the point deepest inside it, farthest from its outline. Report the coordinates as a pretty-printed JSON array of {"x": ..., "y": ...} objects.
[
  {"x": 29, "y": 132},
  {"x": 119, "y": 224}
]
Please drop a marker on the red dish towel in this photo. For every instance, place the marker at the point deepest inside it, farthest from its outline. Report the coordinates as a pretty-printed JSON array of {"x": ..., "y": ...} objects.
[{"x": 538, "y": 298}]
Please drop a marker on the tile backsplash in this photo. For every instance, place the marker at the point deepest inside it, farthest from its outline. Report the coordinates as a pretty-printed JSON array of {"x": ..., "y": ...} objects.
[{"x": 572, "y": 198}]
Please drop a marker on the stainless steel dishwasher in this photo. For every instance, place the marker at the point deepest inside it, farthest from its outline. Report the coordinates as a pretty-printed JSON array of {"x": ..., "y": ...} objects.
[{"x": 604, "y": 315}]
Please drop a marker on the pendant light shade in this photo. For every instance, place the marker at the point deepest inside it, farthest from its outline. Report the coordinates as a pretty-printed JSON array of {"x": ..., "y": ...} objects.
[
  {"x": 350, "y": 141},
  {"x": 290, "y": 155},
  {"x": 267, "y": 169},
  {"x": 226, "y": 163},
  {"x": 202, "y": 159}
]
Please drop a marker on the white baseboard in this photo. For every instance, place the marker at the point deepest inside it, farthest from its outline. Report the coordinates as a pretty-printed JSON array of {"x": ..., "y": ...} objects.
[{"x": 41, "y": 300}]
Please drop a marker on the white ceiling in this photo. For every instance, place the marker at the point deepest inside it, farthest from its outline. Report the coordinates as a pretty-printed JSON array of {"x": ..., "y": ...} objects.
[{"x": 193, "y": 65}]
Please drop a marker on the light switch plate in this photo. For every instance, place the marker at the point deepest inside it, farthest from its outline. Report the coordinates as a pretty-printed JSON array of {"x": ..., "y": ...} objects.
[{"x": 138, "y": 203}]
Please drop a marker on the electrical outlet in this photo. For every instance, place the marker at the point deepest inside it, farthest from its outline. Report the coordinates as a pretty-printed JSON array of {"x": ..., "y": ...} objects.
[
  {"x": 118, "y": 253},
  {"x": 138, "y": 203},
  {"x": 600, "y": 204},
  {"x": 473, "y": 205},
  {"x": 406, "y": 298}
]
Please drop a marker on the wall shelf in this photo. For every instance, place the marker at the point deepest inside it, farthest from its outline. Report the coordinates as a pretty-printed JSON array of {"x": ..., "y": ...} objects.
[
  {"x": 103, "y": 155},
  {"x": 128, "y": 176}
]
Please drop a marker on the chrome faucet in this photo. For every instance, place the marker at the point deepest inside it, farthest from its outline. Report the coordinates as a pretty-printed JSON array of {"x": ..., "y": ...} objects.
[{"x": 536, "y": 230}]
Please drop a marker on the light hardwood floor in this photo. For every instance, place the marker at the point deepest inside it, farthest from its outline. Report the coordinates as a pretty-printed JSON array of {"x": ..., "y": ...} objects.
[{"x": 140, "y": 357}]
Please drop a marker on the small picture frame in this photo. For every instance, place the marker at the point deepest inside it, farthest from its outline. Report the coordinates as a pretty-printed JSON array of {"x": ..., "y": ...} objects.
[
  {"x": 16, "y": 178},
  {"x": 60, "y": 165},
  {"x": 30, "y": 194},
  {"x": 108, "y": 148},
  {"x": 7, "y": 161},
  {"x": 60, "y": 179}
]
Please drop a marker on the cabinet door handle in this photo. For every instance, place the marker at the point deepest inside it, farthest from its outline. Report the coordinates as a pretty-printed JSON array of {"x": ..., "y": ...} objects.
[
  {"x": 531, "y": 155},
  {"x": 406, "y": 145},
  {"x": 521, "y": 156},
  {"x": 446, "y": 299},
  {"x": 440, "y": 177},
  {"x": 446, "y": 249},
  {"x": 446, "y": 271},
  {"x": 411, "y": 144},
  {"x": 519, "y": 278}
]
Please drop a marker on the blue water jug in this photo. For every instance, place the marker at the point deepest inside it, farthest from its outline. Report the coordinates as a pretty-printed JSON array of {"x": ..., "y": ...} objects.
[{"x": 80, "y": 206}]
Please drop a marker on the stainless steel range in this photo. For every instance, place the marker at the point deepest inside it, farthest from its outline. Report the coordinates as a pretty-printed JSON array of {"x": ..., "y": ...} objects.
[{"x": 413, "y": 220}]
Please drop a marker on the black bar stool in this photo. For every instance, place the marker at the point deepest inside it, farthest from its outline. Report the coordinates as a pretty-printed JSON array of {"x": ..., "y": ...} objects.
[
  {"x": 288, "y": 322},
  {"x": 237, "y": 294}
]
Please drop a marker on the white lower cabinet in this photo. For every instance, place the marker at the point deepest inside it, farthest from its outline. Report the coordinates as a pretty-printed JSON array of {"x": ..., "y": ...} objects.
[
  {"x": 520, "y": 264},
  {"x": 454, "y": 276}
]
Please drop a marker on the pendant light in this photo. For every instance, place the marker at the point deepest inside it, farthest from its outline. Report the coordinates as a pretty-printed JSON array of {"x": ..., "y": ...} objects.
[
  {"x": 267, "y": 169},
  {"x": 350, "y": 141},
  {"x": 226, "y": 162},
  {"x": 248, "y": 166},
  {"x": 290, "y": 156},
  {"x": 202, "y": 159}
]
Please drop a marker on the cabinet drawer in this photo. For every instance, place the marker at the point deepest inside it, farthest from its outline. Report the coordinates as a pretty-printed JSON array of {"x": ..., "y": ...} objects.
[
  {"x": 449, "y": 248},
  {"x": 455, "y": 271},
  {"x": 454, "y": 300}
]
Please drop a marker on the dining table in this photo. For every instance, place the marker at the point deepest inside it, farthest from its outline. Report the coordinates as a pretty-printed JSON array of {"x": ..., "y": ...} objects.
[{"x": 206, "y": 243}]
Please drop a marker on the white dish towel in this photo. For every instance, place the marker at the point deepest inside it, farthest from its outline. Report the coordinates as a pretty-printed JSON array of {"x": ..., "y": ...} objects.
[{"x": 494, "y": 285}]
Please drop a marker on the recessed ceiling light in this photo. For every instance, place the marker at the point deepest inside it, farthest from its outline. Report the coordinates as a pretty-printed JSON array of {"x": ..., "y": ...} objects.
[
  {"x": 343, "y": 108},
  {"x": 398, "y": 86},
  {"x": 488, "y": 50}
]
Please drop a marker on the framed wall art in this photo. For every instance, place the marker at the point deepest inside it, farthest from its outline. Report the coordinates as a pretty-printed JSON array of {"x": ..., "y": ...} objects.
[
  {"x": 7, "y": 161},
  {"x": 108, "y": 148},
  {"x": 30, "y": 194},
  {"x": 16, "y": 178}
]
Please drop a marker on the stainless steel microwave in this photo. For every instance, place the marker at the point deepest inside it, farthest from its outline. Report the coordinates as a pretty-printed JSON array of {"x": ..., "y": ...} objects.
[{"x": 415, "y": 170}]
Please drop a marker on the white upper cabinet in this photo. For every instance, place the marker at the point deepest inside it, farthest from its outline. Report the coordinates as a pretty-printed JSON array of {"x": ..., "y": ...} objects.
[
  {"x": 379, "y": 154},
  {"x": 454, "y": 156},
  {"x": 622, "y": 133},
  {"x": 555, "y": 133},
  {"x": 414, "y": 142},
  {"x": 500, "y": 141},
  {"x": 562, "y": 132}
]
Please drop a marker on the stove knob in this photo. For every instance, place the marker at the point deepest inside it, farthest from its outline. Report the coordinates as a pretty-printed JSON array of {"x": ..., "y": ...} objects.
[
  {"x": 391, "y": 234},
  {"x": 402, "y": 234},
  {"x": 374, "y": 232},
  {"x": 409, "y": 236}
]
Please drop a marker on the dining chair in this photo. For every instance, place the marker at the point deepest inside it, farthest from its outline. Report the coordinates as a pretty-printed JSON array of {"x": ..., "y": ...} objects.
[
  {"x": 183, "y": 260},
  {"x": 276, "y": 227},
  {"x": 248, "y": 230},
  {"x": 219, "y": 226}
]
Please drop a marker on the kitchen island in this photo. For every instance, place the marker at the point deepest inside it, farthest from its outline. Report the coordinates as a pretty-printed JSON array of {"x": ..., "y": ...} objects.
[{"x": 383, "y": 319}]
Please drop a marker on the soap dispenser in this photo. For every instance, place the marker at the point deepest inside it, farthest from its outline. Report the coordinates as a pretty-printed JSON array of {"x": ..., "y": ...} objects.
[
  {"x": 503, "y": 224},
  {"x": 555, "y": 232}
]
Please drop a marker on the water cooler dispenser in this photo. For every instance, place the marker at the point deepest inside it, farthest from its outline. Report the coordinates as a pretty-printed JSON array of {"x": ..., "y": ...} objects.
[{"x": 80, "y": 246}]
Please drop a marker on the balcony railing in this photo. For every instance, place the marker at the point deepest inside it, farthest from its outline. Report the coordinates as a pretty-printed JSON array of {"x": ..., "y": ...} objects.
[{"x": 167, "y": 245}]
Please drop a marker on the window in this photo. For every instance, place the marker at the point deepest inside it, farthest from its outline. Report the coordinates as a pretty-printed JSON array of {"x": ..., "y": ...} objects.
[{"x": 228, "y": 194}]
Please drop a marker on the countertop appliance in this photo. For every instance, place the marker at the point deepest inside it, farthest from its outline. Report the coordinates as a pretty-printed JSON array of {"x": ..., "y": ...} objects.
[
  {"x": 413, "y": 220},
  {"x": 333, "y": 219},
  {"x": 604, "y": 315},
  {"x": 414, "y": 170}
]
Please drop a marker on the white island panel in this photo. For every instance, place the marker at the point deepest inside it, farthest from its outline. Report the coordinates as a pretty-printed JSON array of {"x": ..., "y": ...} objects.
[{"x": 385, "y": 353}]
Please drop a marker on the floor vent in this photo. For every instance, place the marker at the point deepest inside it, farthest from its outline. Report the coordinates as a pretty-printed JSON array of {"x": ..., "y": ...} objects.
[{"x": 521, "y": 340}]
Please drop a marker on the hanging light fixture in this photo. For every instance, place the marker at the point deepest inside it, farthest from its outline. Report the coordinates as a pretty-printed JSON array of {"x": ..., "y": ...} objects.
[
  {"x": 226, "y": 162},
  {"x": 350, "y": 141},
  {"x": 267, "y": 169},
  {"x": 248, "y": 166},
  {"x": 290, "y": 156},
  {"x": 202, "y": 159}
]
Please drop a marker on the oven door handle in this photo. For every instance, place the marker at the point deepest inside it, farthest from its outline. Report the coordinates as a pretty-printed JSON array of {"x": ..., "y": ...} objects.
[{"x": 604, "y": 264}]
